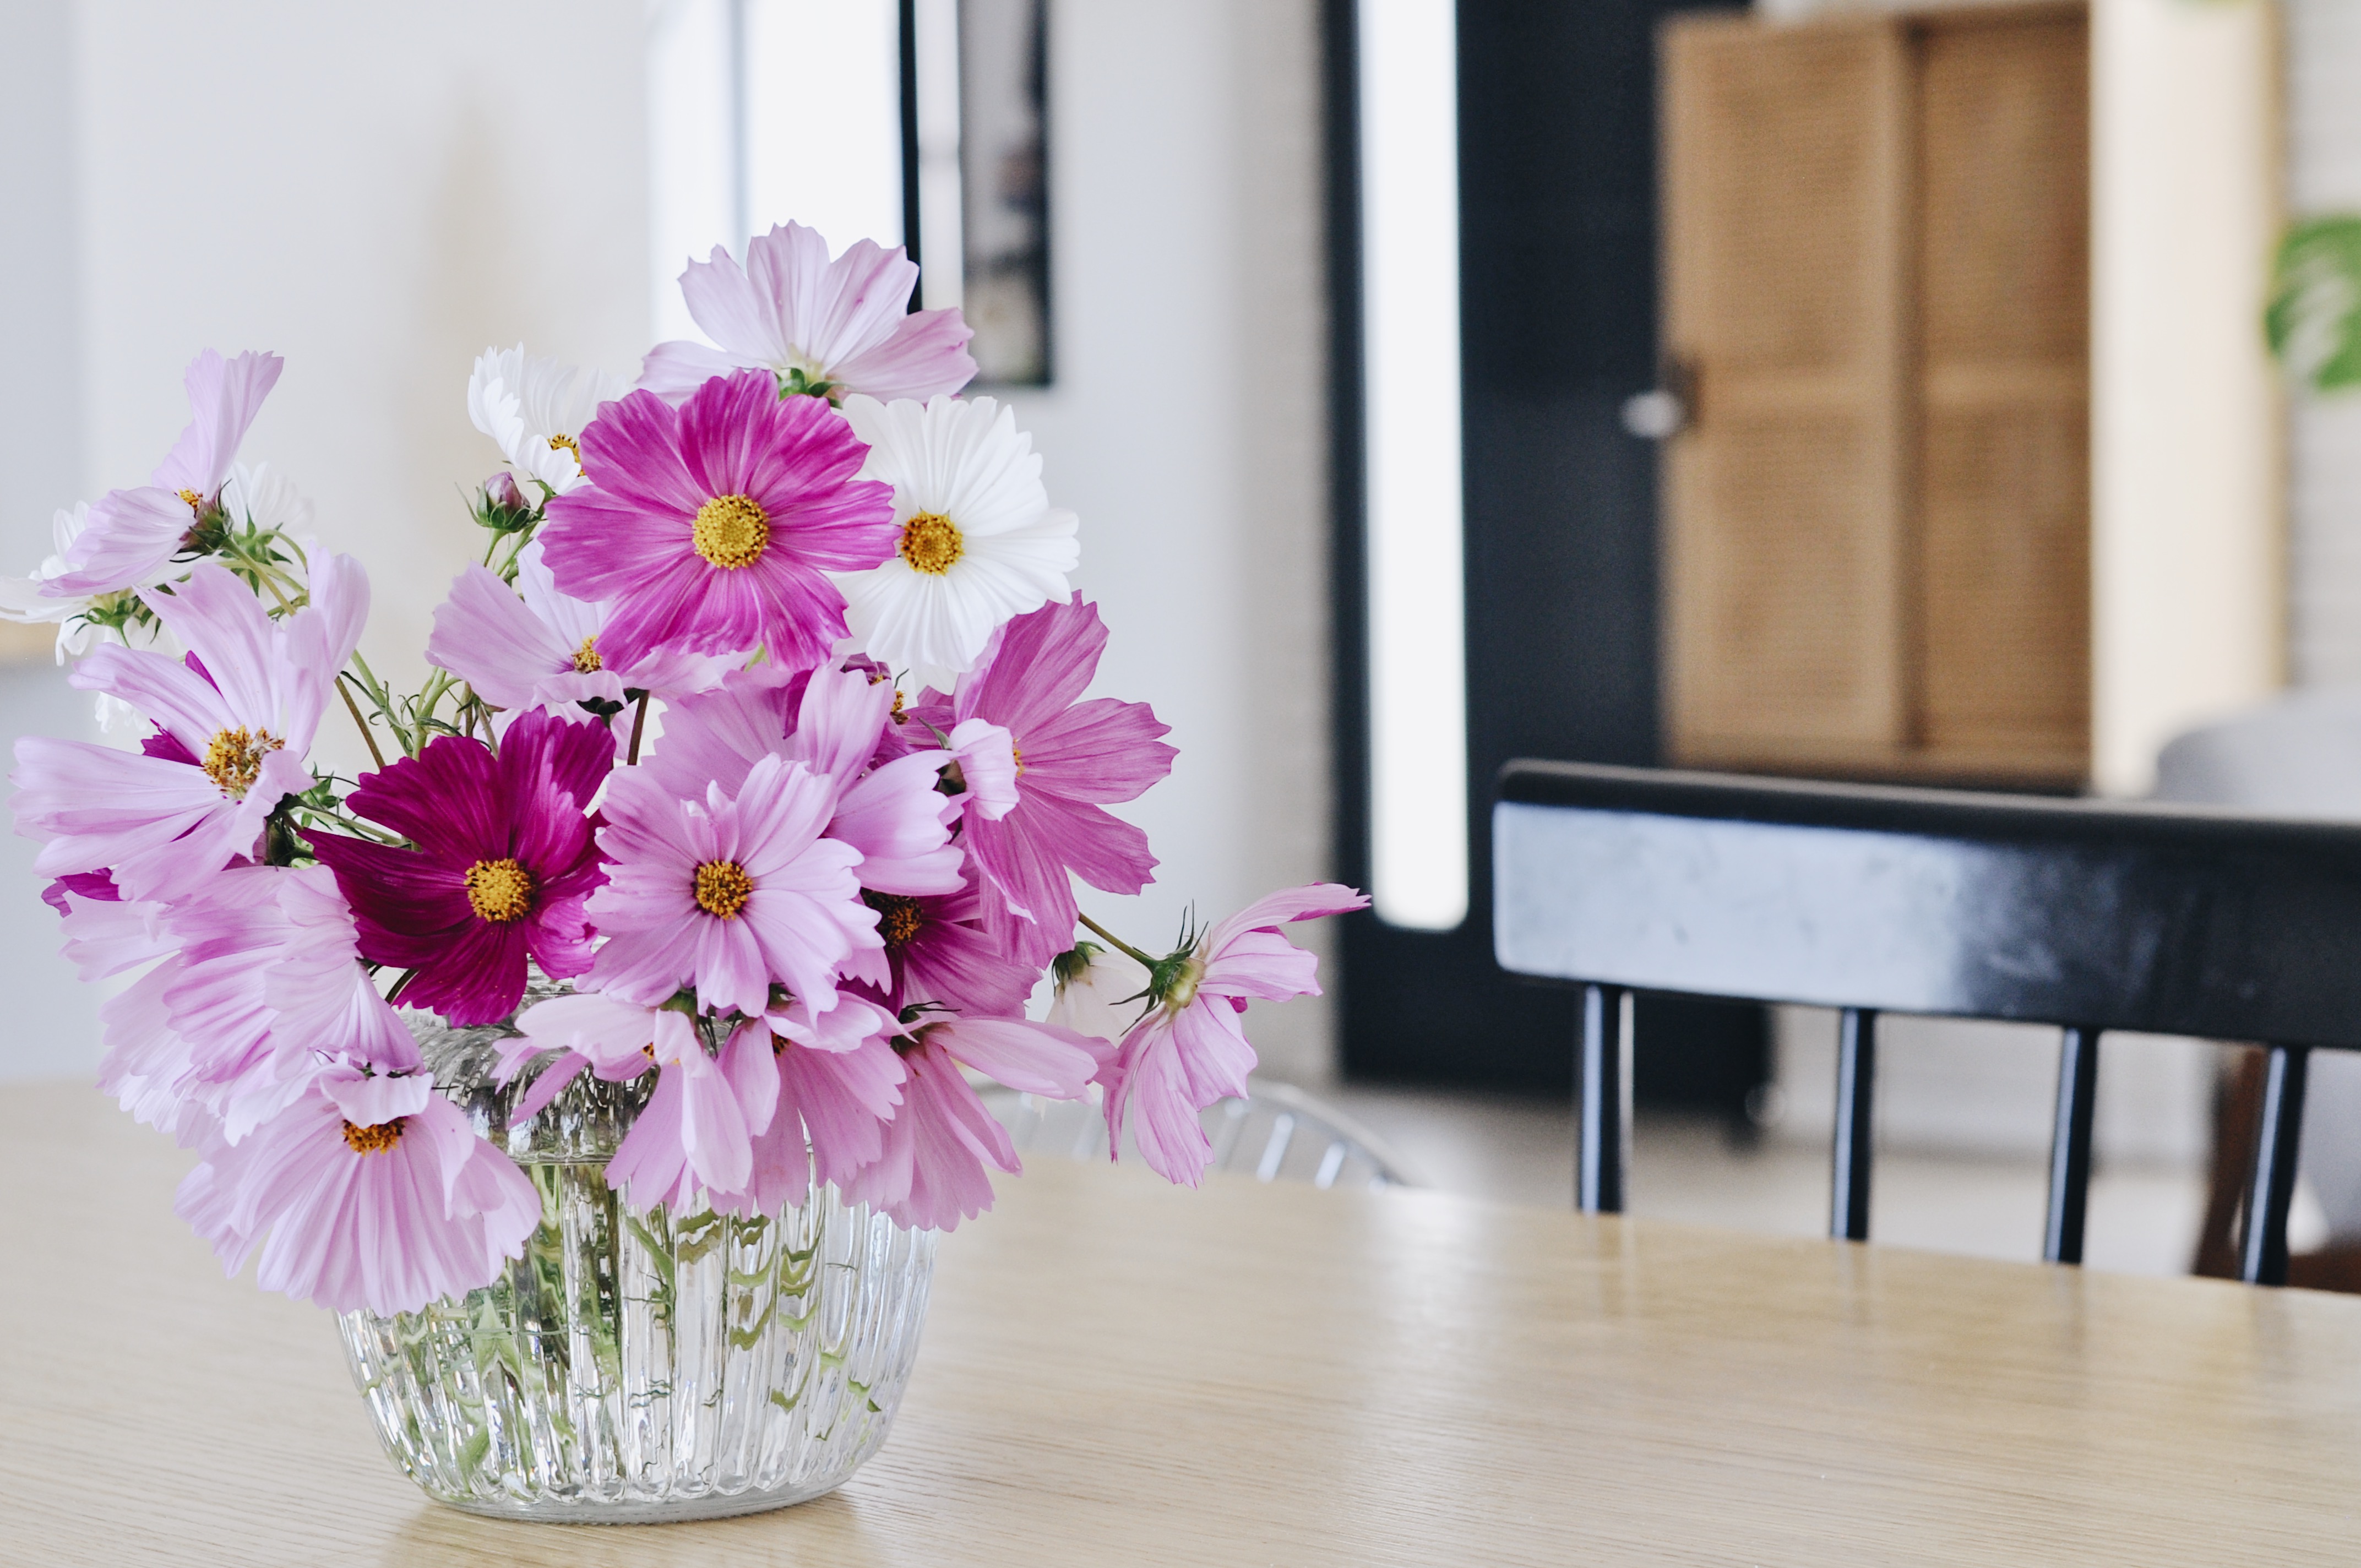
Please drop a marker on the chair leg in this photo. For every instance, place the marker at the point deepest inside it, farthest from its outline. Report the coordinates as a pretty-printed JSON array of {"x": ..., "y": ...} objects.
[
  {"x": 1601, "y": 1093},
  {"x": 1855, "y": 1099},
  {"x": 2263, "y": 1255},
  {"x": 2069, "y": 1145}
]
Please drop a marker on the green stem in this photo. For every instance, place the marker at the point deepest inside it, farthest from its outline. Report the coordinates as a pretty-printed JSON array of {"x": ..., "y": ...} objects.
[
  {"x": 1118, "y": 941},
  {"x": 354, "y": 709}
]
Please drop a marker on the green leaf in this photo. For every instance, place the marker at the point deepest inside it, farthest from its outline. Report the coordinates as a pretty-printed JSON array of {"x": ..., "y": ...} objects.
[{"x": 2314, "y": 319}]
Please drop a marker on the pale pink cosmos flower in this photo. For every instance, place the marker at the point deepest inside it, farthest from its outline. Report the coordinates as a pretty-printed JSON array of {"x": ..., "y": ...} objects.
[
  {"x": 372, "y": 1192},
  {"x": 131, "y": 535},
  {"x": 931, "y": 1171},
  {"x": 233, "y": 723},
  {"x": 838, "y": 1082},
  {"x": 533, "y": 646},
  {"x": 834, "y": 326},
  {"x": 729, "y": 894},
  {"x": 1190, "y": 1050},
  {"x": 830, "y": 721},
  {"x": 694, "y": 1139}
]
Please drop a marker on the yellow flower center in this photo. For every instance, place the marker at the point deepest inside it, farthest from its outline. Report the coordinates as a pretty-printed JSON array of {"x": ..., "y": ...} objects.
[
  {"x": 373, "y": 1140},
  {"x": 930, "y": 543},
  {"x": 195, "y": 502},
  {"x": 898, "y": 918},
  {"x": 1018, "y": 753},
  {"x": 586, "y": 658},
  {"x": 499, "y": 890},
  {"x": 731, "y": 532},
  {"x": 722, "y": 888},
  {"x": 568, "y": 445},
  {"x": 897, "y": 715},
  {"x": 234, "y": 759}
]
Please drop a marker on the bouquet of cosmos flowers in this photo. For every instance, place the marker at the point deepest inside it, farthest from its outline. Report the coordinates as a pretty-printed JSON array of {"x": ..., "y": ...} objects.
[{"x": 760, "y": 722}]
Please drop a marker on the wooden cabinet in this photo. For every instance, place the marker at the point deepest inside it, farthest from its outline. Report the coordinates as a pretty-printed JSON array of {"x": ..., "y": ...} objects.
[{"x": 1877, "y": 518}]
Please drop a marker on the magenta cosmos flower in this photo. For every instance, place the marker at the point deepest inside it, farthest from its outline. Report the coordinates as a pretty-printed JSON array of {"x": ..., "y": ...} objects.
[
  {"x": 131, "y": 534},
  {"x": 1072, "y": 758},
  {"x": 839, "y": 1082},
  {"x": 937, "y": 950},
  {"x": 710, "y": 527},
  {"x": 1190, "y": 1050},
  {"x": 832, "y": 327},
  {"x": 373, "y": 1192},
  {"x": 503, "y": 863},
  {"x": 233, "y": 722},
  {"x": 729, "y": 895}
]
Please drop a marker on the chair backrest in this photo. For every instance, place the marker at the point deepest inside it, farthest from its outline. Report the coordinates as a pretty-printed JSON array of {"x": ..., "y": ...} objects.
[
  {"x": 1276, "y": 1131},
  {"x": 2170, "y": 920}
]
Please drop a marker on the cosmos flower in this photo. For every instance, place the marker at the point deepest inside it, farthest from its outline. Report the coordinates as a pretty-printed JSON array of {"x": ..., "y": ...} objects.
[
  {"x": 370, "y": 1191},
  {"x": 531, "y": 646},
  {"x": 979, "y": 543},
  {"x": 729, "y": 895},
  {"x": 830, "y": 720},
  {"x": 1190, "y": 1050},
  {"x": 234, "y": 724},
  {"x": 712, "y": 527},
  {"x": 502, "y": 864},
  {"x": 536, "y": 408},
  {"x": 931, "y": 1170},
  {"x": 1072, "y": 758},
  {"x": 132, "y": 536},
  {"x": 839, "y": 1082},
  {"x": 827, "y": 327},
  {"x": 937, "y": 951}
]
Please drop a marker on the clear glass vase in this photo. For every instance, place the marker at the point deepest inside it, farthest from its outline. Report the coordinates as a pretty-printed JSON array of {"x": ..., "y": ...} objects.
[{"x": 641, "y": 1367}]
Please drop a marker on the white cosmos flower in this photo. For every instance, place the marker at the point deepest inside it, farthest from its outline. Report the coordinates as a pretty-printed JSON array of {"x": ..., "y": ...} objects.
[
  {"x": 265, "y": 499},
  {"x": 980, "y": 541},
  {"x": 26, "y": 600},
  {"x": 535, "y": 408}
]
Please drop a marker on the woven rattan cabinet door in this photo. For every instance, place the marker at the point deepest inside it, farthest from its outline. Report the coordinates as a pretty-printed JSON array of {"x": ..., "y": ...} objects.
[
  {"x": 1787, "y": 169},
  {"x": 2003, "y": 385}
]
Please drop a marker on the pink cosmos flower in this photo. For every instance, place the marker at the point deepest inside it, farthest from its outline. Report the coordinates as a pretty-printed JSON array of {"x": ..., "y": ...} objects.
[
  {"x": 1190, "y": 1051},
  {"x": 503, "y": 864},
  {"x": 832, "y": 327},
  {"x": 729, "y": 895},
  {"x": 1072, "y": 758},
  {"x": 132, "y": 535},
  {"x": 930, "y": 1172},
  {"x": 830, "y": 720},
  {"x": 531, "y": 646},
  {"x": 937, "y": 950},
  {"x": 373, "y": 1192},
  {"x": 837, "y": 1088},
  {"x": 711, "y": 528},
  {"x": 694, "y": 1139},
  {"x": 695, "y": 1136},
  {"x": 235, "y": 722},
  {"x": 265, "y": 981}
]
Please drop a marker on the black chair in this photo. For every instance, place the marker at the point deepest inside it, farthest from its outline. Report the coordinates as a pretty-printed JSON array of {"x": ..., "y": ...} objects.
[{"x": 2169, "y": 920}]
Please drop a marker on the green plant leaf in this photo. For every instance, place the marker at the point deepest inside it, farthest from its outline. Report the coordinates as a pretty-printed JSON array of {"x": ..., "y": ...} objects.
[{"x": 2314, "y": 319}]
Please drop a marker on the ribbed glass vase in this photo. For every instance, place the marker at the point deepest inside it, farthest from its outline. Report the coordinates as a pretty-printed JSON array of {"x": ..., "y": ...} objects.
[{"x": 635, "y": 1367}]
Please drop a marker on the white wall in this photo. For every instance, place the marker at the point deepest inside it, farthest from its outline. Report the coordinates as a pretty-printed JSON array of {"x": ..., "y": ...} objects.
[
  {"x": 378, "y": 194},
  {"x": 1187, "y": 427},
  {"x": 52, "y": 1021}
]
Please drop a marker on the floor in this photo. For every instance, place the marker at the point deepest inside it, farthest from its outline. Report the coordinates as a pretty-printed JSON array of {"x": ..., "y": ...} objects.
[{"x": 2141, "y": 1220}]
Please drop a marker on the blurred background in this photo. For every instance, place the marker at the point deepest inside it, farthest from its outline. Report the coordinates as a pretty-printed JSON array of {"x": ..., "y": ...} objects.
[{"x": 1927, "y": 394}]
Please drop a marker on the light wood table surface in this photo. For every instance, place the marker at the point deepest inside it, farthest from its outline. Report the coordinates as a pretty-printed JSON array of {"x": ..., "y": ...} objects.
[{"x": 1118, "y": 1372}]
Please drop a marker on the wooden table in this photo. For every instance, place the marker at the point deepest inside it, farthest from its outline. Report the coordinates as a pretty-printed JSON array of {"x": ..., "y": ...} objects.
[{"x": 1118, "y": 1372}]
